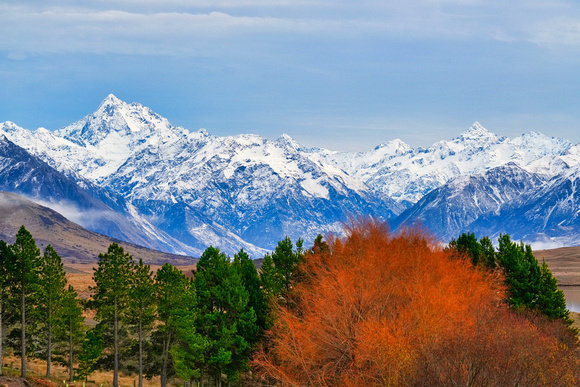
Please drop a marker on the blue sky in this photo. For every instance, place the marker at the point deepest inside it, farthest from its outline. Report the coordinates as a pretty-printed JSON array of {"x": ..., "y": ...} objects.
[{"x": 345, "y": 75}]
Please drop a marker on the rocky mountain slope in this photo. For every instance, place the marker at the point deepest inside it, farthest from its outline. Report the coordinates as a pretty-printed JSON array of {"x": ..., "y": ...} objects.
[{"x": 249, "y": 192}]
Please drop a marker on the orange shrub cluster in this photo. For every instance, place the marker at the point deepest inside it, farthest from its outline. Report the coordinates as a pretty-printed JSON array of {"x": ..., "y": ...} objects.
[{"x": 383, "y": 309}]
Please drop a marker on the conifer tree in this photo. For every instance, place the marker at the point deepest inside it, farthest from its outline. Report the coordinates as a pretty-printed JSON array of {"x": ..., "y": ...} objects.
[
  {"x": 26, "y": 270},
  {"x": 5, "y": 287},
  {"x": 91, "y": 351},
  {"x": 110, "y": 298},
  {"x": 189, "y": 348},
  {"x": 51, "y": 292},
  {"x": 251, "y": 282},
  {"x": 71, "y": 329},
  {"x": 170, "y": 293},
  {"x": 280, "y": 269},
  {"x": 141, "y": 308},
  {"x": 224, "y": 315}
]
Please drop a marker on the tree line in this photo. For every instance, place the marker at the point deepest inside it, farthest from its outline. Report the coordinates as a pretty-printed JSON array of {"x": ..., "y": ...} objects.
[
  {"x": 372, "y": 308},
  {"x": 202, "y": 329}
]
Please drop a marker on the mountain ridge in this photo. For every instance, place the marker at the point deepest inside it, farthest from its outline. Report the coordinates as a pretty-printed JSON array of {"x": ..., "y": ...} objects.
[{"x": 248, "y": 192}]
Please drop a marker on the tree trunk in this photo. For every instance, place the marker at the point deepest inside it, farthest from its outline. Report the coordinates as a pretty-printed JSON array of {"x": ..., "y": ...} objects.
[
  {"x": 23, "y": 332},
  {"x": 140, "y": 352},
  {"x": 49, "y": 349},
  {"x": 1, "y": 335},
  {"x": 116, "y": 349},
  {"x": 166, "y": 346},
  {"x": 71, "y": 351}
]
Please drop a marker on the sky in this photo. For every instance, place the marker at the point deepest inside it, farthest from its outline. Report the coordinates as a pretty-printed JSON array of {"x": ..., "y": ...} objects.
[{"x": 339, "y": 74}]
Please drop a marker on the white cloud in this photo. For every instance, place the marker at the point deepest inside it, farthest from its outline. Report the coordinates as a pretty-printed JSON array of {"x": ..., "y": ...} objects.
[{"x": 200, "y": 27}]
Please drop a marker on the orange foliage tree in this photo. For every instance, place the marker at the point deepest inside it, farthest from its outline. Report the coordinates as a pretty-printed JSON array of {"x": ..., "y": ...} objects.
[{"x": 382, "y": 309}]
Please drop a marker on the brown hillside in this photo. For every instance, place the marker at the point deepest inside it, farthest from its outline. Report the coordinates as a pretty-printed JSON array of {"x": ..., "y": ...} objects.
[
  {"x": 563, "y": 262},
  {"x": 75, "y": 244}
]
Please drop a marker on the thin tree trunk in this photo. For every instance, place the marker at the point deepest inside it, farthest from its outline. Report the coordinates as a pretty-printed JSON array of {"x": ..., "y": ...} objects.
[
  {"x": 23, "y": 333},
  {"x": 1, "y": 335},
  {"x": 140, "y": 352},
  {"x": 70, "y": 351},
  {"x": 49, "y": 350},
  {"x": 116, "y": 350},
  {"x": 166, "y": 345}
]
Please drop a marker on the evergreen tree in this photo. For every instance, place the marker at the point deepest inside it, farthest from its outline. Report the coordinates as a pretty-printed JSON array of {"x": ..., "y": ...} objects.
[
  {"x": 467, "y": 244},
  {"x": 521, "y": 270},
  {"x": 280, "y": 270},
  {"x": 26, "y": 270},
  {"x": 71, "y": 329},
  {"x": 270, "y": 279},
  {"x": 251, "y": 282},
  {"x": 91, "y": 351},
  {"x": 224, "y": 315},
  {"x": 189, "y": 348},
  {"x": 487, "y": 259},
  {"x": 551, "y": 300},
  {"x": 141, "y": 308},
  {"x": 529, "y": 284},
  {"x": 52, "y": 289},
  {"x": 171, "y": 293},
  {"x": 6, "y": 260},
  {"x": 110, "y": 298}
]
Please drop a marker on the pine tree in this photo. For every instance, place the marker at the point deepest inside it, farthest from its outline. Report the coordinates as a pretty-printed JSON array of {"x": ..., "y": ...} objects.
[
  {"x": 551, "y": 300},
  {"x": 6, "y": 260},
  {"x": 488, "y": 259},
  {"x": 91, "y": 351},
  {"x": 189, "y": 348},
  {"x": 251, "y": 282},
  {"x": 141, "y": 308},
  {"x": 110, "y": 299},
  {"x": 52, "y": 289},
  {"x": 223, "y": 315},
  {"x": 170, "y": 293},
  {"x": 26, "y": 270},
  {"x": 71, "y": 329},
  {"x": 280, "y": 269}
]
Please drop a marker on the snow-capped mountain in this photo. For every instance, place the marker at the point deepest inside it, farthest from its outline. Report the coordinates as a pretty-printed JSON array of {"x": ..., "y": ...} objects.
[
  {"x": 234, "y": 192},
  {"x": 406, "y": 174},
  {"x": 451, "y": 209},
  {"x": 249, "y": 192},
  {"x": 548, "y": 214},
  {"x": 27, "y": 175}
]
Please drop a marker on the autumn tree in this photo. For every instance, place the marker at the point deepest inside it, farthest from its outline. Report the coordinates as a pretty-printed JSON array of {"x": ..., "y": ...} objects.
[
  {"x": 111, "y": 292},
  {"x": 25, "y": 270},
  {"x": 395, "y": 309}
]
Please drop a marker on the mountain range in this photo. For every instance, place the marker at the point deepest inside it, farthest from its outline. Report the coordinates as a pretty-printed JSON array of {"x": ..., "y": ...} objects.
[{"x": 126, "y": 172}]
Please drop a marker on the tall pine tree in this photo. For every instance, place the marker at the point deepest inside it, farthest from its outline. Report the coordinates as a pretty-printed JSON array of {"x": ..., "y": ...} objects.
[
  {"x": 6, "y": 260},
  {"x": 51, "y": 291},
  {"x": 110, "y": 299},
  {"x": 26, "y": 271},
  {"x": 141, "y": 308},
  {"x": 71, "y": 330},
  {"x": 223, "y": 315},
  {"x": 171, "y": 287}
]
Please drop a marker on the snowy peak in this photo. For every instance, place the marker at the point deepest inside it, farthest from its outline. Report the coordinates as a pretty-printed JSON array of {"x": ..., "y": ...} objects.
[
  {"x": 477, "y": 132},
  {"x": 288, "y": 141}
]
